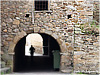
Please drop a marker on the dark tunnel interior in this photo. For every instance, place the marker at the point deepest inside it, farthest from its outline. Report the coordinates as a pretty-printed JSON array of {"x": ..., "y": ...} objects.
[{"x": 24, "y": 63}]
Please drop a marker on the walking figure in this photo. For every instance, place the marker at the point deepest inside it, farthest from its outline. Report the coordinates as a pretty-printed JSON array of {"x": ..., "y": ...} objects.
[{"x": 32, "y": 50}]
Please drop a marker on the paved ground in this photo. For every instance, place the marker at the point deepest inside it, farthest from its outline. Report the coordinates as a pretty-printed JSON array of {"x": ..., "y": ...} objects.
[
  {"x": 43, "y": 73},
  {"x": 40, "y": 73}
]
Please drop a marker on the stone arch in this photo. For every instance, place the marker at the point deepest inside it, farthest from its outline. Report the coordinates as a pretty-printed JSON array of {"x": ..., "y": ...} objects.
[
  {"x": 23, "y": 33},
  {"x": 15, "y": 41}
]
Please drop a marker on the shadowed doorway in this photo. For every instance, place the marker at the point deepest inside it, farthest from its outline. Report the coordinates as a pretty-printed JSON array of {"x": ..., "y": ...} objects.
[{"x": 23, "y": 63}]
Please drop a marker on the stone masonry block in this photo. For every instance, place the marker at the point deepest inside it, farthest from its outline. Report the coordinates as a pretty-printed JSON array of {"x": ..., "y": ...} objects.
[{"x": 36, "y": 29}]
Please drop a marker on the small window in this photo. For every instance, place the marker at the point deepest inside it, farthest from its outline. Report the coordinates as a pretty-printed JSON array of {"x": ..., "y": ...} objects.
[
  {"x": 69, "y": 16},
  {"x": 27, "y": 15},
  {"x": 41, "y": 5}
]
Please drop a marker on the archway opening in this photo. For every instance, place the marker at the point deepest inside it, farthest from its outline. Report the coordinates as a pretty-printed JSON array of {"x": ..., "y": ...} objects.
[
  {"x": 35, "y": 40},
  {"x": 39, "y": 62}
]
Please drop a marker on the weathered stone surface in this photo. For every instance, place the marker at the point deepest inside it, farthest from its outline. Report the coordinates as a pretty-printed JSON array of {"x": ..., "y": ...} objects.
[
  {"x": 2, "y": 64},
  {"x": 63, "y": 47},
  {"x": 19, "y": 36},
  {"x": 5, "y": 43},
  {"x": 42, "y": 31},
  {"x": 55, "y": 35},
  {"x": 89, "y": 13},
  {"x": 11, "y": 47},
  {"x": 5, "y": 30},
  {"x": 79, "y": 52},
  {"x": 67, "y": 44},
  {"x": 36, "y": 29},
  {"x": 59, "y": 41},
  {"x": 9, "y": 39},
  {"x": 48, "y": 32},
  {"x": 5, "y": 57},
  {"x": 3, "y": 24},
  {"x": 65, "y": 64},
  {"x": 37, "y": 15},
  {"x": 16, "y": 30},
  {"x": 16, "y": 22},
  {"x": 9, "y": 20},
  {"x": 17, "y": 18},
  {"x": 96, "y": 44},
  {"x": 70, "y": 48},
  {"x": 16, "y": 39},
  {"x": 1, "y": 52},
  {"x": 59, "y": 26},
  {"x": 9, "y": 30},
  {"x": 88, "y": 39},
  {"x": 80, "y": 8}
]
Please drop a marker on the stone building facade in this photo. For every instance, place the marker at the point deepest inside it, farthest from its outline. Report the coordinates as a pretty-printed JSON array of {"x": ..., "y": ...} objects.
[{"x": 79, "y": 51}]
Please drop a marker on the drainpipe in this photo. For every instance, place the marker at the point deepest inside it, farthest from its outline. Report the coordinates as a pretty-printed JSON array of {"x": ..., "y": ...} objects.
[
  {"x": 32, "y": 12},
  {"x": 99, "y": 37}
]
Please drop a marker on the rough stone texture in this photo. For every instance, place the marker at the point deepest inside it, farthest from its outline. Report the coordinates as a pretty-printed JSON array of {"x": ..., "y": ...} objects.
[
  {"x": 85, "y": 53},
  {"x": 11, "y": 47},
  {"x": 96, "y": 10},
  {"x": 55, "y": 23}
]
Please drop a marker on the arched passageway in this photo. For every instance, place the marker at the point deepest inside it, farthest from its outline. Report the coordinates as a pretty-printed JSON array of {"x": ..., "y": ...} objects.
[
  {"x": 36, "y": 41},
  {"x": 37, "y": 63}
]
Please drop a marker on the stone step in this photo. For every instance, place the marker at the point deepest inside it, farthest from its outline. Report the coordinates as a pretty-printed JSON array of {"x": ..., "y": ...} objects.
[
  {"x": 66, "y": 71},
  {"x": 2, "y": 64},
  {"x": 5, "y": 70}
]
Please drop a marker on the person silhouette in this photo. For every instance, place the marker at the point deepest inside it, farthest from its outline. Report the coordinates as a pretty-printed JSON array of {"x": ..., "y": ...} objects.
[{"x": 32, "y": 50}]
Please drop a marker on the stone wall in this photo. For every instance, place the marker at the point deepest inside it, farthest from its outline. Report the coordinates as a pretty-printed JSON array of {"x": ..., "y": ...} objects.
[
  {"x": 86, "y": 53},
  {"x": 55, "y": 23},
  {"x": 86, "y": 46},
  {"x": 96, "y": 11}
]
